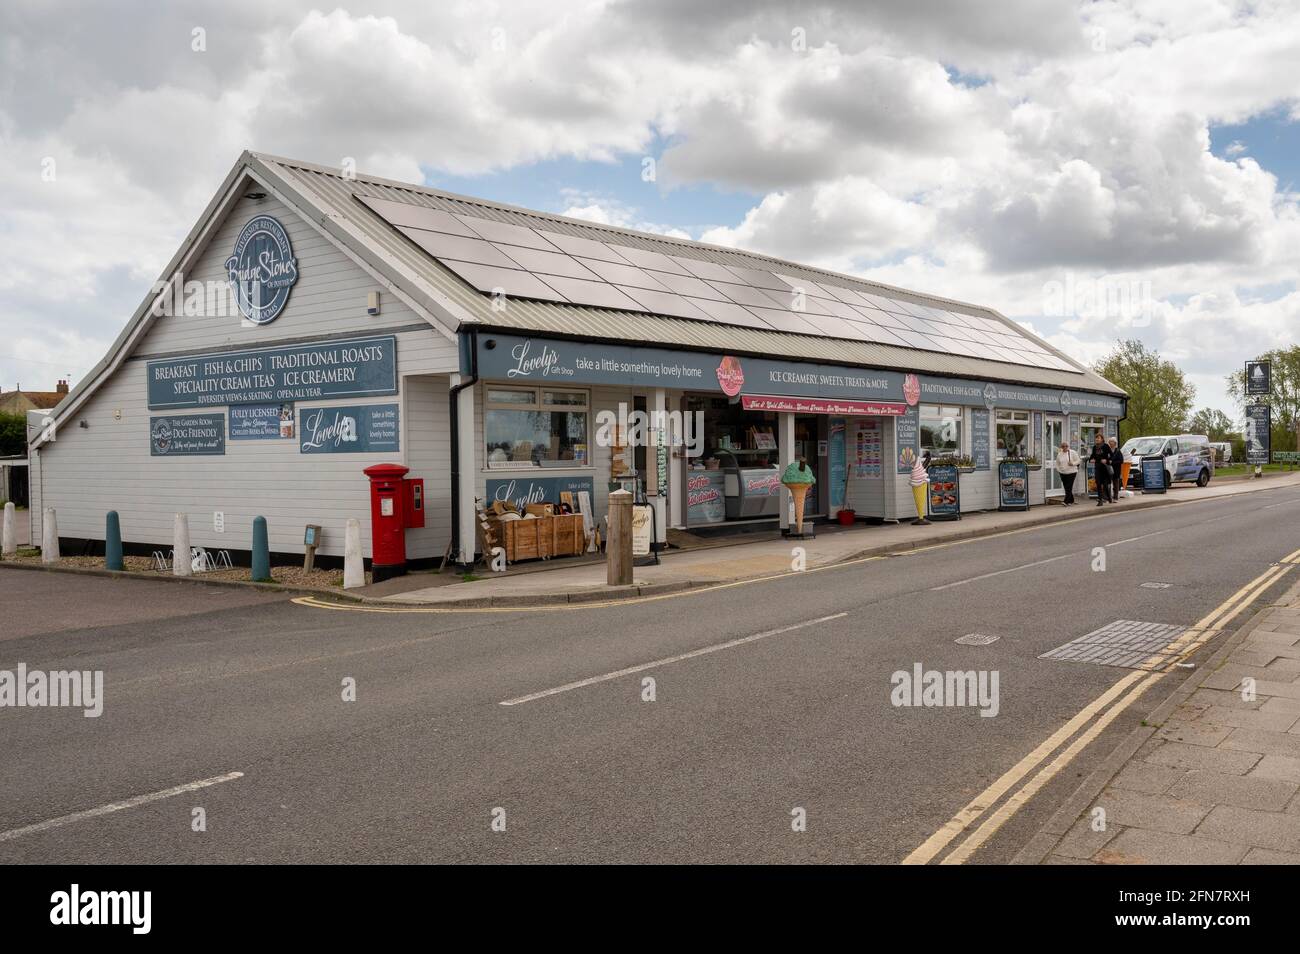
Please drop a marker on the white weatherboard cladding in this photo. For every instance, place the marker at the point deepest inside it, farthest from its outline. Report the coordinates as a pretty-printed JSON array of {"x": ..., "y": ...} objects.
[{"x": 85, "y": 472}]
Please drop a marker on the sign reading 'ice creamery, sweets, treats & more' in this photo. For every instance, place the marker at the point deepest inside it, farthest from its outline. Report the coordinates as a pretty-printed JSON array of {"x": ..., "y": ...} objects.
[{"x": 353, "y": 367}]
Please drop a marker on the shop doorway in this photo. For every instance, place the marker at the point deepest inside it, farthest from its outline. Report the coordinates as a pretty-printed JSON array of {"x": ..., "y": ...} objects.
[
  {"x": 1053, "y": 434},
  {"x": 736, "y": 482}
]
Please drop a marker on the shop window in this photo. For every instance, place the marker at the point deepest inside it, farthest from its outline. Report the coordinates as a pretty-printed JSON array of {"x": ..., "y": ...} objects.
[
  {"x": 1013, "y": 434},
  {"x": 940, "y": 430},
  {"x": 1089, "y": 428},
  {"x": 535, "y": 427}
]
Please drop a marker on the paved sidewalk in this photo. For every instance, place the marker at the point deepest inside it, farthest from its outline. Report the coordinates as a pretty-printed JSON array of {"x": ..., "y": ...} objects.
[
  {"x": 1219, "y": 781},
  {"x": 678, "y": 570}
]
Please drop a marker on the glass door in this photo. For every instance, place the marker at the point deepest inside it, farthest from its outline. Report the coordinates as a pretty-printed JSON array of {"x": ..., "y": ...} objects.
[{"x": 1053, "y": 434}]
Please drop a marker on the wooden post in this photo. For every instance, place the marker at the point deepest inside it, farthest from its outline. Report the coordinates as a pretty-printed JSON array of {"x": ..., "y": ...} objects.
[{"x": 618, "y": 549}]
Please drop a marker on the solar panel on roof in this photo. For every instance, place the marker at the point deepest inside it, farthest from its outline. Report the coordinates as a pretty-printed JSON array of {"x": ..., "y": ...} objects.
[
  {"x": 846, "y": 295},
  {"x": 833, "y": 327},
  {"x": 584, "y": 247},
  {"x": 398, "y": 214},
  {"x": 664, "y": 303},
  {"x": 691, "y": 286},
  {"x": 550, "y": 263},
  {"x": 441, "y": 245},
  {"x": 755, "y": 277},
  {"x": 729, "y": 313},
  {"x": 643, "y": 258},
  {"x": 624, "y": 275},
  {"x": 839, "y": 309},
  {"x": 509, "y": 234},
  {"x": 709, "y": 270},
  {"x": 744, "y": 294},
  {"x": 783, "y": 320},
  {"x": 597, "y": 293},
  {"x": 508, "y": 281}
]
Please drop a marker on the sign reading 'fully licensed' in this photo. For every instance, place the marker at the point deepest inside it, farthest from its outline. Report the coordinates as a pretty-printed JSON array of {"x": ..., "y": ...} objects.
[{"x": 356, "y": 367}]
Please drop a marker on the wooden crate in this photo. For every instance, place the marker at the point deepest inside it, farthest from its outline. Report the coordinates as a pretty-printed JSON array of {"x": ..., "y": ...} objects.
[{"x": 540, "y": 537}]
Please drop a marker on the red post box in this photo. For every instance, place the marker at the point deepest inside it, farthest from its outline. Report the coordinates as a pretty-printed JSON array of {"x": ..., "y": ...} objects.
[
  {"x": 387, "y": 520},
  {"x": 414, "y": 502}
]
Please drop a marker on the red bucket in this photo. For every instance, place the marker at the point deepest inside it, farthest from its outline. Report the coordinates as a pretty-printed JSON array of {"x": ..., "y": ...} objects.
[{"x": 846, "y": 517}]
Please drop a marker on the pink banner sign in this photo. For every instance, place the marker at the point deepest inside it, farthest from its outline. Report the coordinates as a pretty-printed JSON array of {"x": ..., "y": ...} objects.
[{"x": 804, "y": 405}]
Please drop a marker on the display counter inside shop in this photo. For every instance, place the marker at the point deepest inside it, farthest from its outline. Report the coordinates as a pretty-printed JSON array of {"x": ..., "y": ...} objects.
[{"x": 751, "y": 483}]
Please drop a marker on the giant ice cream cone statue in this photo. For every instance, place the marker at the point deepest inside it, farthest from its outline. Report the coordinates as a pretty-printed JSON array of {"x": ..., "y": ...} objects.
[{"x": 798, "y": 477}]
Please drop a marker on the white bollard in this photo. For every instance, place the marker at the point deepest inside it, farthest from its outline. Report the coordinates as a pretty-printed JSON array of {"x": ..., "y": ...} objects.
[
  {"x": 354, "y": 566},
  {"x": 181, "y": 546},
  {"x": 49, "y": 537},
  {"x": 8, "y": 541}
]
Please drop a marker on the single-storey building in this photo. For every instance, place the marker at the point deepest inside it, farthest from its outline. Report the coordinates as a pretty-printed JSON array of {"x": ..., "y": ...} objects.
[{"x": 316, "y": 322}]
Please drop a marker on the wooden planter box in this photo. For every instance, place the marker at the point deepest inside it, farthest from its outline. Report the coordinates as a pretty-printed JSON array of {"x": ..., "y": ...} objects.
[{"x": 540, "y": 538}]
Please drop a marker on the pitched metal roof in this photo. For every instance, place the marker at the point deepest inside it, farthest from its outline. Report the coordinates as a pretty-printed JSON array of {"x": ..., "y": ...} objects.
[{"x": 333, "y": 193}]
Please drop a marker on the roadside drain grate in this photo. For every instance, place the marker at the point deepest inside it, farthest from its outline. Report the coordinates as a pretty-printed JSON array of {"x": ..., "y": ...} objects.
[
  {"x": 1128, "y": 643},
  {"x": 976, "y": 639},
  {"x": 1155, "y": 586}
]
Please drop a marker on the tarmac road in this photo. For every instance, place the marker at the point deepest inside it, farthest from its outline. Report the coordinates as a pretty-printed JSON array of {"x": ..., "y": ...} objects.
[{"x": 781, "y": 703}]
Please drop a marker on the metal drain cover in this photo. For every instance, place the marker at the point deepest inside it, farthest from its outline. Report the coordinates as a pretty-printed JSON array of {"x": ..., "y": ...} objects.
[
  {"x": 1156, "y": 586},
  {"x": 1128, "y": 643},
  {"x": 976, "y": 639}
]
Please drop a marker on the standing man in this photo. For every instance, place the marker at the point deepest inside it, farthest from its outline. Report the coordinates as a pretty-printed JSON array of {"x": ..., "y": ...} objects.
[
  {"x": 1116, "y": 469},
  {"x": 1067, "y": 465},
  {"x": 1100, "y": 458}
]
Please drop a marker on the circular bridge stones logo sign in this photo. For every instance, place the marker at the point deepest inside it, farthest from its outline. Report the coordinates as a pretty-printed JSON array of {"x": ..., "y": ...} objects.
[
  {"x": 161, "y": 435},
  {"x": 262, "y": 270},
  {"x": 990, "y": 395},
  {"x": 1065, "y": 402}
]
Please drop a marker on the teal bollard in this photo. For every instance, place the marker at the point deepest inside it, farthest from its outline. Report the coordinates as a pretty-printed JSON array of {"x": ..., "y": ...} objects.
[
  {"x": 113, "y": 543},
  {"x": 261, "y": 552}
]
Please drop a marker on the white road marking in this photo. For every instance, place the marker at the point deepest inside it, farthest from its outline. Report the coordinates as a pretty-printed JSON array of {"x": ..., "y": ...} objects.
[
  {"x": 1011, "y": 569},
  {"x": 716, "y": 647},
  {"x": 117, "y": 806}
]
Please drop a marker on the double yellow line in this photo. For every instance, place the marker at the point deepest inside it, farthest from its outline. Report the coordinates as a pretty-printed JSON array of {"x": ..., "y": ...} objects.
[{"x": 1081, "y": 730}]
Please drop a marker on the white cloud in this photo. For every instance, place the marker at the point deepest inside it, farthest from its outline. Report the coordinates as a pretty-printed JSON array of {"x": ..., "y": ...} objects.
[{"x": 923, "y": 142}]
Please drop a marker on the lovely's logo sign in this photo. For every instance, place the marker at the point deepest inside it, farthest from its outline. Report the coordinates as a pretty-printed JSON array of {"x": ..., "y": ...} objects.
[
  {"x": 529, "y": 362},
  {"x": 263, "y": 270},
  {"x": 321, "y": 431}
]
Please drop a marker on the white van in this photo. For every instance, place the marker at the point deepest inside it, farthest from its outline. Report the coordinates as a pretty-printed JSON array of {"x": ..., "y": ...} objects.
[
  {"x": 1222, "y": 451},
  {"x": 1188, "y": 457}
]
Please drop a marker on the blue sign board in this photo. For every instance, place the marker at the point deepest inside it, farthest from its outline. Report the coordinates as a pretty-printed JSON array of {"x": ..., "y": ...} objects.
[
  {"x": 1013, "y": 485},
  {"x": 1259, "y": 434},
  {"x": 546, "y": 360},
  {"x": 187, "y": 435},
  {"x": 524, "y": 489},
  {"x": 837, "y": 463},
  {"x": 907, "y": 432},
  {"x": 262, "y": 270},
  {"x": 979, "y": 439},
  {"x": 362, "y": 429},
  {"x": 260, "y": 422},
  {"x": 945, "y": 492},
  {"x": 351, "y": 367},
  {"x": 1153, "y": 474}
]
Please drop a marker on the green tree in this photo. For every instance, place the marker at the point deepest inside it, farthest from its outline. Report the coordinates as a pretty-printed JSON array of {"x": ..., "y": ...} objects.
[
  {"x": 1285, "y": 398},
  {"x": 13, "y": 435},
  {"x": 1159, "y": 395},
  {"x": 1213, "y": 423}
]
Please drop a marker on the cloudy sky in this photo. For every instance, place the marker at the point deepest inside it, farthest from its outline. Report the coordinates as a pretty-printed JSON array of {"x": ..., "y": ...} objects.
[{"x": 1095, "y": 170}]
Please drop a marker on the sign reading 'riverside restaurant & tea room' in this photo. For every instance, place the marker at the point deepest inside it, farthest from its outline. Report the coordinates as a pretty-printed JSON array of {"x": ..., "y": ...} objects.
[{"x": 355, "y": 367}]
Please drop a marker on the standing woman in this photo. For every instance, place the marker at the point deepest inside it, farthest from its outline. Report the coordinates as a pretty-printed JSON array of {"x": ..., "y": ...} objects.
[
  {"x": 1100, "y": 458},
  {"x": 1067, "y": 465}
]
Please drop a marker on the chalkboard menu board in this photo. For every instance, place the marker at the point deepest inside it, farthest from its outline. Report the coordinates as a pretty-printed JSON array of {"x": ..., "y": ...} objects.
[
  {"x": 1259, "y": 425},
  {"x": 1013, "y": 485},
  {"x": 1153, "y": 474},
  {"x": 945, "y": 492},
  {"x": 979, "y": 438}
]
